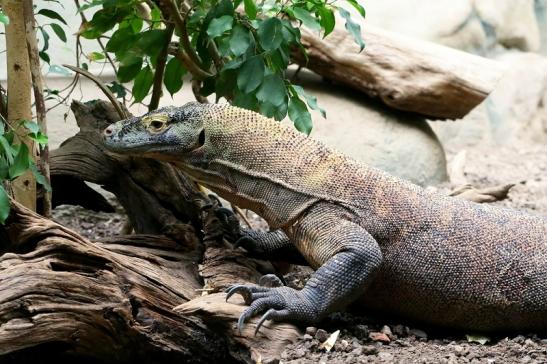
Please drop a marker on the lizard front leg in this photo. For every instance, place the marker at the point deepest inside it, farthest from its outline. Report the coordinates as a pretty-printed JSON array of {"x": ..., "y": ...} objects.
[
  {"x": 269, "y": 245},
  {"x": 347, "y": 256}
]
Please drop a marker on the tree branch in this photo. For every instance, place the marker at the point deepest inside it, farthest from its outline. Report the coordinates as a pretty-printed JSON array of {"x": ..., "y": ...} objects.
[
  {"x": 160, "y": 70},
  {"x": 119, "y": 109}
]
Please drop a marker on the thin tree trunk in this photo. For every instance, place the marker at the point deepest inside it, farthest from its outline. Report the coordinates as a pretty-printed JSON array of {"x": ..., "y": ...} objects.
[
  {"x": 38, "y": 87},
  {"x": 19, "y": 96}
]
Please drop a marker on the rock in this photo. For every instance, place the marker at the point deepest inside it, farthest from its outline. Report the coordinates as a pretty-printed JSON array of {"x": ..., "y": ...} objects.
[
  {"x": 387, "y": 357},
  {"x": 307, "y": 337},
  {"x": 401, "y": 144},
  {"x": 361, "y": 331},
  {"x": 418, "y": 333},
  {"x": 400, "y": 330},
  {"x": 472, "y": 25},
  {"x": 311, "y": 330},
  {"x": 512, "y": 22},
  {"x": 387, "y": 330},
  {"x": 321, "y": 335},
  {"x": 369, "y": 350},
  {"x": 510, "y": 113},
  {"x": 379, "y": 337}
]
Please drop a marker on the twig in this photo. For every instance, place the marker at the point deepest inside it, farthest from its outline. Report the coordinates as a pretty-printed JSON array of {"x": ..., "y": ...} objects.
[
  {"x": 38, "y": 87},
  {"x": 160, "y": 70},
  {"x": 238, "y": 211},
  {"x": 119, "y": 109},
  {"x": 196, "y": 72},
  {"x": 196, "y": 88}
]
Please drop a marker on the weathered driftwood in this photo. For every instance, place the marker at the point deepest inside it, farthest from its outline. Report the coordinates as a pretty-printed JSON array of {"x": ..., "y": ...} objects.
[
  {"x": 63, "y": 296},
  {"x": 405, "y": 73},
  {"x": 112, "y": 301}
]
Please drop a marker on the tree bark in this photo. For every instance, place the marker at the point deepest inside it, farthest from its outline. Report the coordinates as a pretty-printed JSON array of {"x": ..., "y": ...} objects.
[
  {"x": 38, "y": 87},
  {"x": 19, "y": 97},
  {"x": 404, "y": 73}
]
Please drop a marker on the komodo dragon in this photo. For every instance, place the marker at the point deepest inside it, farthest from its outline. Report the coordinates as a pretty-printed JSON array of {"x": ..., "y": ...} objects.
[{"x": 370, "y": 236}]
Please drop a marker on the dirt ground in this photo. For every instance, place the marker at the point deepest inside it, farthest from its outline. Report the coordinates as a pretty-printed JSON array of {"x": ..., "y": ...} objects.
[{"x": 521, "y": 163}]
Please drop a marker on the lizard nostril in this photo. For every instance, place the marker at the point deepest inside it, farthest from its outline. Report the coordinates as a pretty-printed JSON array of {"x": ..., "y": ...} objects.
[{"x": 109, "y": 131}]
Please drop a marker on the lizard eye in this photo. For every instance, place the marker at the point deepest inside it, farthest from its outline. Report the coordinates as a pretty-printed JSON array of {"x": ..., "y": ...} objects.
[{"x": 157, "y": 125}]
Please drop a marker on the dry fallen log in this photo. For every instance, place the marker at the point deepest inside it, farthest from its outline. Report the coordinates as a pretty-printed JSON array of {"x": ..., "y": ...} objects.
[
  {"x": 405, "y": 73},
  {"x": 62, "y": 296}
]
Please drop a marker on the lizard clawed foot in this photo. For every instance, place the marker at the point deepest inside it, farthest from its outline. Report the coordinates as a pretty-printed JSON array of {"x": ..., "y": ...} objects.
[{"x": 280, "y": 304}]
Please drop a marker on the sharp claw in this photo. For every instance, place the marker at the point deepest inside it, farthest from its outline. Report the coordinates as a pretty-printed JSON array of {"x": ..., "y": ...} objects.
[
  {"x": 224, "y": 212},
  {"x": 243, "y": 290},
  {"x": 241, "y": 322},
  {"x": 263, "y": 318}
]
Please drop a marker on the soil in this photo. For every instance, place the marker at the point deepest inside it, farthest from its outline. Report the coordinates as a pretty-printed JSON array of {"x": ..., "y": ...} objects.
[{"x": 363, "y": 340}]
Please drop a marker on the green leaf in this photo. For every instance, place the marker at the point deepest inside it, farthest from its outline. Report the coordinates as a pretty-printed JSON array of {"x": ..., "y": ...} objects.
[
  {"x": 129, "y": 68},
  {"x": 5, "y": 144},
  {"x": 251, "y": 74},
  {"x": 306, "y": 18},
  {"x": 4, "y": 205},
  {"x": 278, "y": 112},
  {"x": 246, "y": 101},
  {"x": 327, "y": 21},
  {"x": 240, "y": 40},
  {"x": 142, "y": 84},
  {"x": 44, "y": 56},
  {"x": 250, "y": 8},
  {"x": 32, "y": 127},
  {"x": 310, "y": 99},
  {"x": 477, "y": 339},
  {"x": 219, "y": 26},
  {"x": 39, "y": 177},
  {"x": 270, "y": 34},
  {"x": 120, "y": 40},
  {"x": 4, "y": 18},
  {"x": 90, "y": 5},
  {"x": 358, "y": 6},
  {"x": 21, "y": 163},
  {"x": 172, "y": 78},
  {"x": 353, "y": 28},
  {"x": 272, "y": 90},
  {"x": 59, "y": 31},
  {"x": 55, "y": 68},
  {"x": 52, "y": 14},
  {"x": 300, "y": 116},
  {"x": 45, "y": 37},
  {"x": 95, "y": 56},
  {"x": 152, "y": 41},
  {"x": 118, "y": 89}
]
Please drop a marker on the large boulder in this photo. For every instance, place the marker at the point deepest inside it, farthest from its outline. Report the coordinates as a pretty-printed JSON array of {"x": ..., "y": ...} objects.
[
  {"x": 472, "y": 25},
  {"x": 517, "y": 109},
  {"x": 397, "y": 142}
]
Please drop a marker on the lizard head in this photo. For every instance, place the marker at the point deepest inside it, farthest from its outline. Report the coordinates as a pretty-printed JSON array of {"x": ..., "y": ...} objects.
[{"x": 167, "y": 133}]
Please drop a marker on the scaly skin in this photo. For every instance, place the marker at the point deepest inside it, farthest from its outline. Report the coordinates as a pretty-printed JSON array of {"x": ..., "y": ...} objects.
[{"x": 370, "y": 236}]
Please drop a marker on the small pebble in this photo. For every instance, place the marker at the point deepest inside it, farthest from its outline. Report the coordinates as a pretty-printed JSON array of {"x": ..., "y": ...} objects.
[
  {"x": 400, "y": 330},
  {"x": 321, "y": 335},
  {"x": 380, "y": 337},
  {"x": 311, "y": 330},
  {"x": 388, "y": 357},
  {"x": 418, "y": 333},
  {"x": 361, "y": 331},
  {"x": 369, "y": 350},
  {"x": 387, "y": 330},
  {"x": 307, "y": 337}
]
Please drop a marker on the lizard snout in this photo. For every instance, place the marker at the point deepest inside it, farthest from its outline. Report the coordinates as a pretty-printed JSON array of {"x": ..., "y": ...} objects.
[{"x": 108, "y": 131}]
